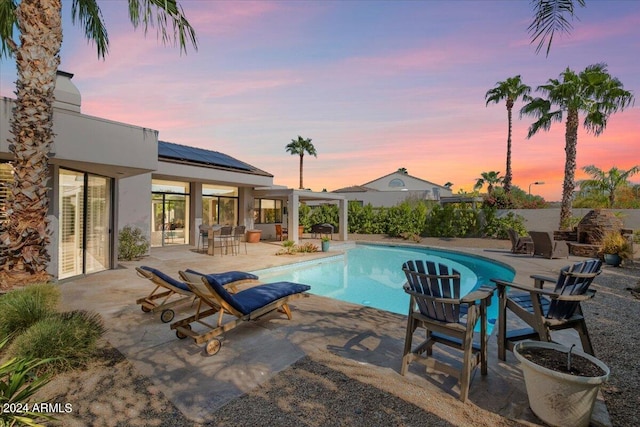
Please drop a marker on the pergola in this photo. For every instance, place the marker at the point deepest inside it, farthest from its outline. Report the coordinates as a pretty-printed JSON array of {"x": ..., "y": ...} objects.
[{"x": 293, "y": 198}]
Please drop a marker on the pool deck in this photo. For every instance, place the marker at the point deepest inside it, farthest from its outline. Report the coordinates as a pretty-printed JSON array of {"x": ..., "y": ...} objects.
[{"x": 254, "y": 352}]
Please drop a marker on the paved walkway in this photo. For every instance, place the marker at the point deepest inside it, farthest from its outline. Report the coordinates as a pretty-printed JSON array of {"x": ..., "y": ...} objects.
[{"x": 251, "y": 354}]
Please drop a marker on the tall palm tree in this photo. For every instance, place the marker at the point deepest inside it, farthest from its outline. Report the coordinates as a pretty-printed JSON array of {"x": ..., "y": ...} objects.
[
  {"x": 25, "y": 235},
  {"x": 299, "y": 147},
  {"x": 509, "y": 90},
  {"x": 607, "y": 182},
  {"x": 592, "y": 92},
  {"x": 551, "y": 16},
  {"x": 491, "y": 178}
]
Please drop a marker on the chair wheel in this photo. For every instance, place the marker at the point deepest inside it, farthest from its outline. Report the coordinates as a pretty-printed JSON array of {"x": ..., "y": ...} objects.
[
  {"x": 145, "y": 308},
  {"x": 182, "y": 335},
  {"x": 167, "y": 315},
  {"x": 213, "y": 347}
]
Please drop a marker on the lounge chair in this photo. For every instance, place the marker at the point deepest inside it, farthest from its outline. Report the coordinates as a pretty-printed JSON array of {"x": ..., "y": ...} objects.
[
  {"x": 546, "y": 310},
  {"x": 170, "y": 292},
  {"x": 545, "y": 246},
  {"x": 248, "y": 304},
  {"x": 167, "y": 293},
  {"x": 437, "y": 306},
  {"x": 520, "y": 244}
]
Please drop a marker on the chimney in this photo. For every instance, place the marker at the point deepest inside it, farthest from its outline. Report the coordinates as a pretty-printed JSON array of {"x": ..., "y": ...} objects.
[{"x": 66, "y": 94}]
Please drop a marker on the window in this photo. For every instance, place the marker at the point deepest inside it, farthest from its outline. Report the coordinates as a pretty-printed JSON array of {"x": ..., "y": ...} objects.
[
  {"x": 396, "y": 183},
  {"x": 169, "y": 212},
  {"x": 219, "y": 205},
  {"x": 267, "y": 211}
]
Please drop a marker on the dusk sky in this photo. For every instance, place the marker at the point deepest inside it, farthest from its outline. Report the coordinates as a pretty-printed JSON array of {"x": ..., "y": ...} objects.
[{"x": 376, "y": 85}]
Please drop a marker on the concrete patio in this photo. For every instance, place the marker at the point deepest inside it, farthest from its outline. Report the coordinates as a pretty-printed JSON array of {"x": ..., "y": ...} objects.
[{"x": 254, "y": 352}]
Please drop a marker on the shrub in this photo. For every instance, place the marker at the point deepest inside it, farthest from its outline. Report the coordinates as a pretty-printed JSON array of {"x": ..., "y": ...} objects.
[
  {"x": 67, "y": 339},
  {"x": 613, "y": 242},
  {"x": 21, "y": 308},
  {"x": 17, "y": 384},
  {"x": 132, "y": 243},
  {"x": 307, "y": 247},
  {"x": 497, "y": 227}
]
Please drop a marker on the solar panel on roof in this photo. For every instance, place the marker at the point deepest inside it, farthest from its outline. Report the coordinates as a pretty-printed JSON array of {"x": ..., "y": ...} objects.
[{"x": 199, "y": 155}]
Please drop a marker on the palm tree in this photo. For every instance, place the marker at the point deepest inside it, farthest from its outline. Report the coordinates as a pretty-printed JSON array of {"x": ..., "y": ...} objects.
[
  {"x": 592, "y": 92},
  {"x": 607, "y": 182},
  {"x": 299, "y": 147},
  {"x": 491, "y": 178},
  {"x": 510, "y": 90},
  {"x": 549, "y": 17},
  {"x": 24, "y": 236}
]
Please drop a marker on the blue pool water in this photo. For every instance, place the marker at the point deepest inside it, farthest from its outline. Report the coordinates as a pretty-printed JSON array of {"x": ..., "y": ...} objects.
[{"x": 372, "y": 275}]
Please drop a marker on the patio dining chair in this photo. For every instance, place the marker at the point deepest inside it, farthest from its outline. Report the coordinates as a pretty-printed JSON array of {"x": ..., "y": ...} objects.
[
  {"x": 239, "y": 237},
  {"x": 224, "y": 239}
]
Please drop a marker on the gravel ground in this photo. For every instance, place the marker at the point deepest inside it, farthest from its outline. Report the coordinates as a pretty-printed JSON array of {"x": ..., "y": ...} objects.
[
  {"x": 613, "y": 319},
  {"x": 312, "y": 392}
]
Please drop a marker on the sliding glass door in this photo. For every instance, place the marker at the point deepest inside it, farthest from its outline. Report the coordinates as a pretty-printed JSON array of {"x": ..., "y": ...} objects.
[{"x": 84, "y": 244}]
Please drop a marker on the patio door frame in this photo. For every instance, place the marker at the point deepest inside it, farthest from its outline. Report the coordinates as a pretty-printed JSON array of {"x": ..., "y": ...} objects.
[{"x": 87, "y": 239}]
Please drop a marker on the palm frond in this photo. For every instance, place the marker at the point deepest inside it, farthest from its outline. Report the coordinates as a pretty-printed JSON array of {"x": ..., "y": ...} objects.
[
  {"x": 551, "y": 16},
  {"x": 165, "y": 13},
  {"x": 88, "y": 14},
  {"x": 8, "y": 21}
]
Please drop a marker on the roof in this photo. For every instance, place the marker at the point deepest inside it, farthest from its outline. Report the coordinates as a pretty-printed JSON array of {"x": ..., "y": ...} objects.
[
  {"x": 404, "y": 174},
  {"x": 170, "y": 151},
  {"x": 354, "y": 189}
]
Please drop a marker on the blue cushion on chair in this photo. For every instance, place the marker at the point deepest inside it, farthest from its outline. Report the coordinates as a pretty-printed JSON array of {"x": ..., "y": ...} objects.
[
  {"x": 253, "y": 298},
  {"x": 167, "y": 279},
  {"x": 228, "y": 276}
]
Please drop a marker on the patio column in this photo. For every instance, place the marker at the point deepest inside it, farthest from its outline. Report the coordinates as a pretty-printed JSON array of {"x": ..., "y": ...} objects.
[
  {"x": 343, "y": 219},
  {"x": 293, "y": 201}
]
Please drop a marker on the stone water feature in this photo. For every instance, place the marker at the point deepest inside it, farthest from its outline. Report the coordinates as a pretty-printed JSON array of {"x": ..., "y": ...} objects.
[{"x": 586, "y": 239}]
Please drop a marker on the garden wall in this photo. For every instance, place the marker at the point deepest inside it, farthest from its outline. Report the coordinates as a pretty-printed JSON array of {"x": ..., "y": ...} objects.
[{"x": 549, "y": 219}]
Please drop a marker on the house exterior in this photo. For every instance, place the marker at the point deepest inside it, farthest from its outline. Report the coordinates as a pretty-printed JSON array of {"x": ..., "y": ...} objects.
[
  {"x": 394, "y": 188},
  {"x": 105, "y": 175}
]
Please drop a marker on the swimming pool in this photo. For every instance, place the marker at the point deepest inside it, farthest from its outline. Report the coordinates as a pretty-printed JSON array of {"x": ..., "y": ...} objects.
[{"x": 372, "y": 275}]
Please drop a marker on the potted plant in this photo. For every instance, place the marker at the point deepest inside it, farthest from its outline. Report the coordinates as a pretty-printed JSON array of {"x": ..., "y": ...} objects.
[
  {"x": 325, "y": 243},
  {"x": 562, "y": 383},
  {"x": 615, "y": 248}
]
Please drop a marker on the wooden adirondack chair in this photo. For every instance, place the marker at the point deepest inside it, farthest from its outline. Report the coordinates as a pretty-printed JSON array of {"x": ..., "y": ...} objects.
[
  {"x": 448, "y": 318},
  {"x": 546, "y": 310}
]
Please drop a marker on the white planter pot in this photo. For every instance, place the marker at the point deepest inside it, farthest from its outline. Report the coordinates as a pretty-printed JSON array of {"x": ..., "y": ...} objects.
[{"x": 557, "y": 398}]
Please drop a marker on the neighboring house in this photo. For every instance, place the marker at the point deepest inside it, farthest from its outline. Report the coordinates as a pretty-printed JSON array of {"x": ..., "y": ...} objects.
[
  {"x": 394, "y": 188},
  {"x": 105, "y": 175}
]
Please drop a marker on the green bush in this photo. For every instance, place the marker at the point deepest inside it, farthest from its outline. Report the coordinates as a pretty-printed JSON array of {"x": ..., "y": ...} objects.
[
  {"x": 407, "y": 217},
  {"x": 132, "y": 243},
  {"x": 21, "y": 308},
  {"x": 497, "y": 227},
  {"x": 69, "y": 339},
  {"x": 18, "y": 383},
  {"x": 452, "y": 220}
]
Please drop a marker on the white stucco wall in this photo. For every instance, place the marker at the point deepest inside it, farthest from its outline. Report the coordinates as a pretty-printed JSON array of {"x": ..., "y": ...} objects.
[{"x": 134, "y": 203}]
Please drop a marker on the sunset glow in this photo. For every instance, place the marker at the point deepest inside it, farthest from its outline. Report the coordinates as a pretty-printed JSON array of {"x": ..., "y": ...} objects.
[{"x": 376, "y": 85}]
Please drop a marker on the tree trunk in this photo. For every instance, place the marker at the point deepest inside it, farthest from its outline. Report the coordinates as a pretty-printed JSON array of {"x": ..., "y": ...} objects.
[
  {"x": 507, "y": 177},
  {"x": 25, "y": 235},
  {"x": 301, "y": 186},
  {"x": 571, "y": 145}
]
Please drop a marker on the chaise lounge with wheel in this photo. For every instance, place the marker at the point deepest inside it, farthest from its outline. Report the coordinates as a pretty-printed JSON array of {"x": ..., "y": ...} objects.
[
  {"x": 169, "y": 292},
  {"x": 231, "y": 308}
]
